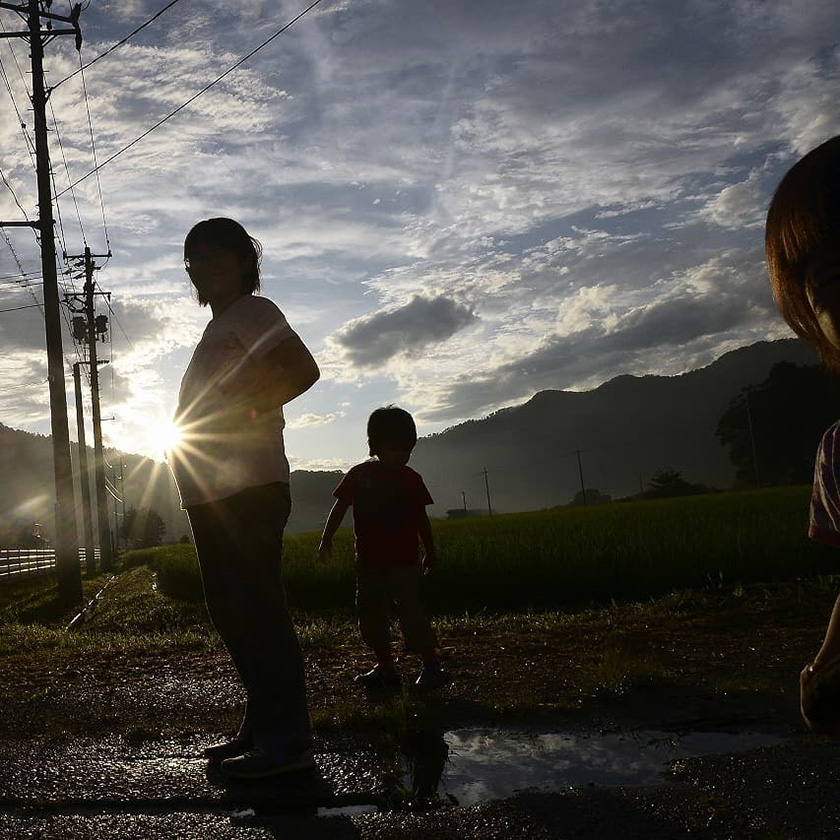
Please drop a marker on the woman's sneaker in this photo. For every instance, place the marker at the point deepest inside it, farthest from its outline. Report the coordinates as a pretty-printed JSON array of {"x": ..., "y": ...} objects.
[
  {"x": 258, "y": 764},
  {"x": 229, "y": 749},
  {"x": 378, "y": 680},
  {"x": 432, "y": 676}
]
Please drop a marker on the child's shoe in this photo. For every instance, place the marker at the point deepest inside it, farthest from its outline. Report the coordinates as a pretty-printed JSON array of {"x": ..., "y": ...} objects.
[
  {"x": 432, "y": 676},
  {"x": 378, "y": 680}
]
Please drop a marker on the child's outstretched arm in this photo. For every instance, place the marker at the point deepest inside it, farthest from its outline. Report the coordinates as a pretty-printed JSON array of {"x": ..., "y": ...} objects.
[
  {"x": 424, "y": 528},
  {"x": 333, "y": 522}
]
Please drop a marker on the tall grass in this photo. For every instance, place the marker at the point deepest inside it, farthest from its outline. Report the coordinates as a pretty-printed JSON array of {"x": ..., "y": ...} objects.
[{"x": 573, "y": 556}]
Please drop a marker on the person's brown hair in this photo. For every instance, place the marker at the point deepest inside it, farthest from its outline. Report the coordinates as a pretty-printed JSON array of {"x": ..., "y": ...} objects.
[
  {"x": 804, "y": 217},
  {"x": 231, "y": 236}
]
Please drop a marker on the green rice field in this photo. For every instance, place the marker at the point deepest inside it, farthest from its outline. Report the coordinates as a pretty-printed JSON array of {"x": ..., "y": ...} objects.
[{"x": 551, "y": 560}]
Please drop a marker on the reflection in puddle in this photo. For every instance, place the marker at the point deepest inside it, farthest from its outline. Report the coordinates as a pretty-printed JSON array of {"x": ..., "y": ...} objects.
[
  {"x": 493, "y": 764},
  {"x": 347, "y": 810}
]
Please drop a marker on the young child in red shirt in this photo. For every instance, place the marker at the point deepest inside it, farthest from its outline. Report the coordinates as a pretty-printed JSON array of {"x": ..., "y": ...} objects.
[
  {"x": 389, "y": 517},
  {"x": 802, "y": 242}
]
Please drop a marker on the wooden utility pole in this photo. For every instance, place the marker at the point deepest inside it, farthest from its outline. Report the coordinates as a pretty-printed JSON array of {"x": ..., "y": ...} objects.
[
  {"x": 747, "y": 391},
  {"x": 487, "y": 488},
  {"x": 93, "y": 329},
  {"x": 84, "y": 473},
  {"x": 580, "y": 473},
  {"x": 66, "y": 534}
]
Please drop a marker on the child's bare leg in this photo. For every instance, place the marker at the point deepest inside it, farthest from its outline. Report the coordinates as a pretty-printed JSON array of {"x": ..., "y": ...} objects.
[{"x": 374, "y": 618}]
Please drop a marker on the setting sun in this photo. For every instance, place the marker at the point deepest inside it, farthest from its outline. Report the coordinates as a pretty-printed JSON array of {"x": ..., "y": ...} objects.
[{"x": 167, "y": 434}]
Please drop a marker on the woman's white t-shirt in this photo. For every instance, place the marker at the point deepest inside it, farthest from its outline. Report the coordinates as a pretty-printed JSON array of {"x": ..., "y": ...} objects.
[{"x": 228, "y": 445}]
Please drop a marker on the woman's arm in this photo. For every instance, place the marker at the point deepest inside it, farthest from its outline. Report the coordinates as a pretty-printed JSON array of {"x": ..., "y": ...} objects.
[{"x": 283, "y": 374}]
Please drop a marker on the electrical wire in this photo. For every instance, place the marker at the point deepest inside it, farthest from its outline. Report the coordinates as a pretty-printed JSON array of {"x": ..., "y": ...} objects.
[
  {"x": 30, "y": 145},
  {"x": 114, "y": 314},
  {"x": 8, "y": 242},
  {"x": 14, "y": 195},
  {"x": 95, "y": 161},
  {"x": 16, "y": 278},
  {"x": 18, "y": 308},
  {"x": 192, "y": 99},
  {"x": 114, "y": 46},
  {"x": 23, "y": 385},
  {"x": 69, "y": 181}
]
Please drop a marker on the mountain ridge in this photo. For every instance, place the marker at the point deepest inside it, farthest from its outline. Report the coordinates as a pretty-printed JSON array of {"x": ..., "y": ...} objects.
[{"x": 618, "y": 434}]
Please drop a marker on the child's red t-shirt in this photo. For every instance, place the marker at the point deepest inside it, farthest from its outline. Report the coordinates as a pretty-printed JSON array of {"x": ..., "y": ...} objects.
[{"x": 387, "y": 505}]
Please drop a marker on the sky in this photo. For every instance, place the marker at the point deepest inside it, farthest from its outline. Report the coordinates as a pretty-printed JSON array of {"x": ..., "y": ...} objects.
[{"x": 460, "y": 203}]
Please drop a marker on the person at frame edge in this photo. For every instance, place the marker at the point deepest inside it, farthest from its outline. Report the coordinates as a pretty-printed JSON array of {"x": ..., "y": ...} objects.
[
  {"x": 802, "y": 243},
  {"x": 233, "y": 477}
]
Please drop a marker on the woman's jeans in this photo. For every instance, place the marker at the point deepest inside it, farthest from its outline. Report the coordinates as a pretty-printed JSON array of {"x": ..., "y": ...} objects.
[{"x": 239, "y": 541}]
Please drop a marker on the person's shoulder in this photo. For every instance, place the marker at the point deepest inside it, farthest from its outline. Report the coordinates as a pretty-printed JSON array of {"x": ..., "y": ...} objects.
[
  {"x": 830, "y": 441},
  {"x": 832, "y": 432},
  {"x": 412, "y": 473},
  {"x": 256, "y": 305},
  {"x": 363, "y": 468}
]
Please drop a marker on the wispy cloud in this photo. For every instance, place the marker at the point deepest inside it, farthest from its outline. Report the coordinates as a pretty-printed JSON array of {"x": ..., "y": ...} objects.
[{"x": 544, "y": 195}]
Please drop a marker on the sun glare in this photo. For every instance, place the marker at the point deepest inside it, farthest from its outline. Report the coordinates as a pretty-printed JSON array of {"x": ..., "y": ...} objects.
[{"x": 167, "y": 435}]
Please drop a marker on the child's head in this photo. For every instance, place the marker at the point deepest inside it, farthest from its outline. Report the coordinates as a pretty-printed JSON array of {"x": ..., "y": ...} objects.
[
  {"x": 211, "y": 240},
  {"x": 802, "y": 242},
  {"x": 391, "y": 429}
]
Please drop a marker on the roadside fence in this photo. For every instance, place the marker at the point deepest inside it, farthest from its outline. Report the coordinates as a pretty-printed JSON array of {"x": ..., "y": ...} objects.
[{"x": 21, "y": 561}]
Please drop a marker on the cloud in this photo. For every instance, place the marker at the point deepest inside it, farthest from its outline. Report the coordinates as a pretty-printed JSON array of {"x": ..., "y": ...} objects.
[
  {"x": 739, "y": 205},
  {"x": 721, "y": 304},
  {"x": 310, "y": 419},
  {"x": 374, "y": 340},
  {"x": 590, "y": 176}
]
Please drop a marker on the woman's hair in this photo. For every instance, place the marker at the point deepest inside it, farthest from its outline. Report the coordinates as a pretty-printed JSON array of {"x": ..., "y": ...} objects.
[
  {"x": 804, "y": 217},
  {"x": 230, "y": 236},
  {"x": 391, "y": 425}
]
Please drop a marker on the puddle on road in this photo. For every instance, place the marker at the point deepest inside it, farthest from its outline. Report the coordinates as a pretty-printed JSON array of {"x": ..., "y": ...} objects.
[{"x": 484, "y": 764}]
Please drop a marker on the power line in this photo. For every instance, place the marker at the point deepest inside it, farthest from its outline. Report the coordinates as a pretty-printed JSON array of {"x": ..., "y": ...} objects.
[
  {"x": 29, "y": 144},
  {"x": 114, "y": 314},
  {"x": 114, "y": 46},
  {"x": 14, "y": 195},
  {"x": 18, "y": 308},
  {"x": 69, "y": 181},
  {"x": 8, "y": 242},
  {"x": 194, "y": 97},
  {"x": 93, "y": 151},
  {"x": 23, "y": 385},
  {"x": 16, "y": 278}
]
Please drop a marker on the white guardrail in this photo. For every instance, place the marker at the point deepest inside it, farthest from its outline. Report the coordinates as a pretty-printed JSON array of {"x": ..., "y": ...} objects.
[{"x": 21, "y": 561}]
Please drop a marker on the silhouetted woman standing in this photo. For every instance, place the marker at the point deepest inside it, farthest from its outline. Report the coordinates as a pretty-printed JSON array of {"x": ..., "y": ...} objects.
[{"x": 233, "y": 477}]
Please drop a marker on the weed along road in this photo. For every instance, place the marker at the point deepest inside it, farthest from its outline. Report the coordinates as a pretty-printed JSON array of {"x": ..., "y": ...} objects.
[{"x": 666, "y": 716}]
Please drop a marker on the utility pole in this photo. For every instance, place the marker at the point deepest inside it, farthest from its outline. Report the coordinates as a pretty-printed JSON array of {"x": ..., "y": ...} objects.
[
  {"x": 66, "y": 534},
  {"x": 464, "y": 499},
  {"x": 752, "y": 435},
  {"x": 116, "y": 499},
  {"x": 91, "y": 328},
  {"x": 580, "y": 473},
  {"x": 84, "y": 473},
  {"x": 487, "y": 488},
  {"x": 119, "y": 499}
]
